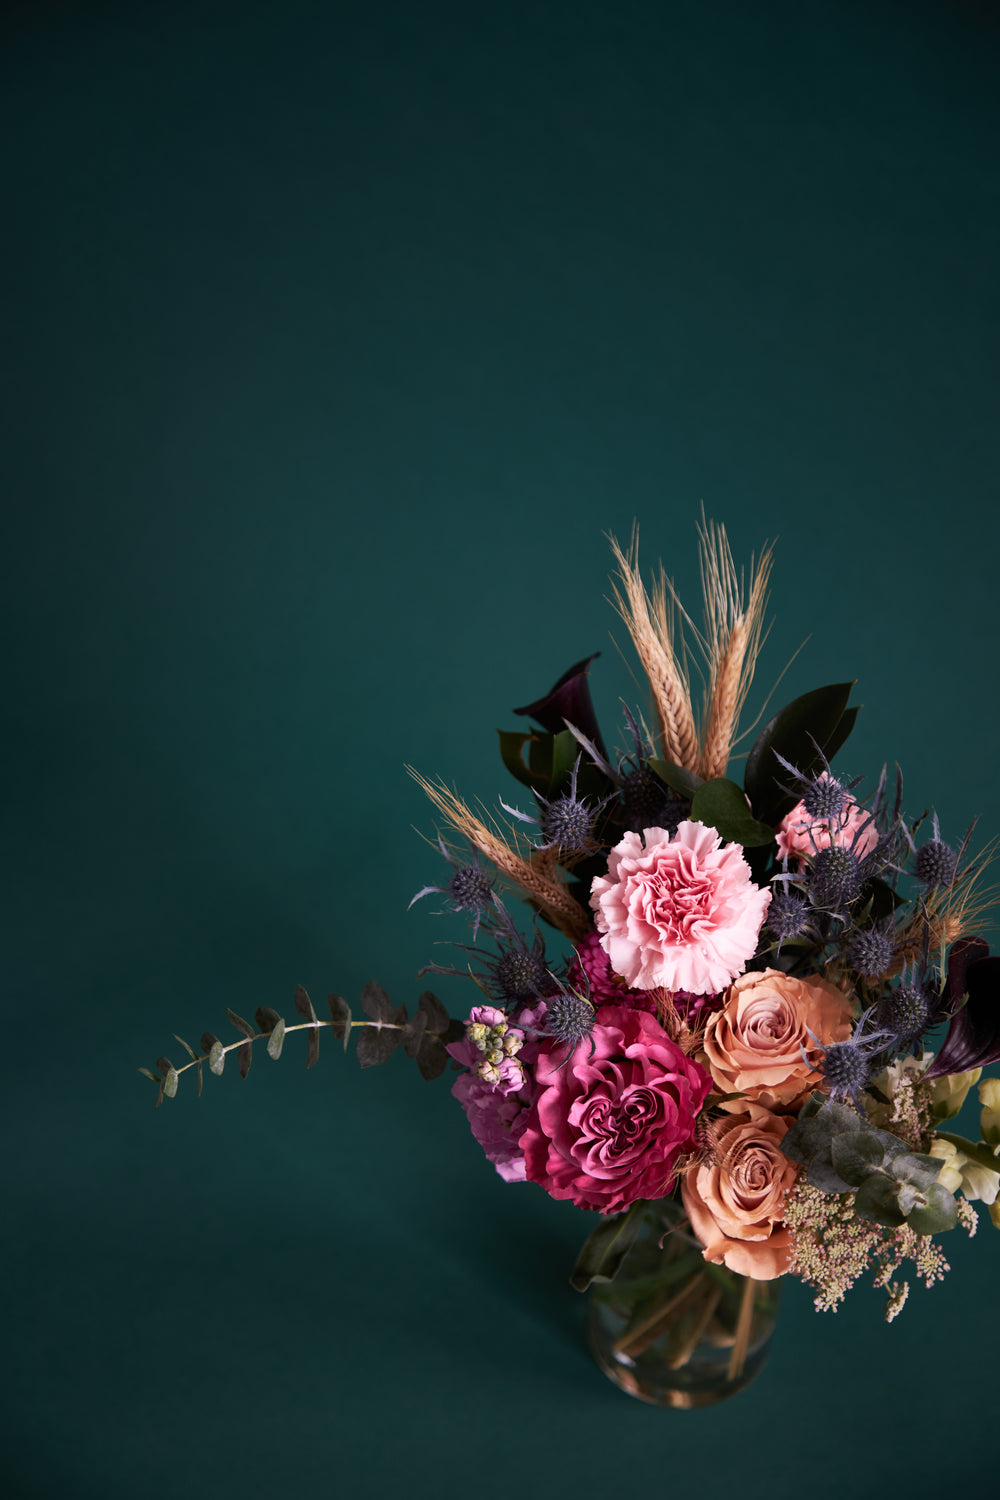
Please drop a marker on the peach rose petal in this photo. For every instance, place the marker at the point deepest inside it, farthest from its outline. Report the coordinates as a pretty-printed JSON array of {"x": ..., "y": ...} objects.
[
  {"x": 736, "y": 1201},
  {"x": 766, "y": 1042}
]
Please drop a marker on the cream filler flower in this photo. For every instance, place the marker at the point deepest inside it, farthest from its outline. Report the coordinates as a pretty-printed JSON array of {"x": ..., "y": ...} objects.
[{"x": 678, "y": 912}]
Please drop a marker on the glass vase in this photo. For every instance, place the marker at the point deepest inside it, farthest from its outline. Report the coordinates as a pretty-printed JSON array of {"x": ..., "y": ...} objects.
[{"x": 673, "y": 1330}]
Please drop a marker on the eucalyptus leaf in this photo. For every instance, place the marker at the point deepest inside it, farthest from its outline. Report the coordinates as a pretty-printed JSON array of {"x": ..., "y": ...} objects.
[
  {"x": 376, "y": 1044},
  {"x": 856, "y": 1155},
  {"x": 170, "y": 1083},
  {"x": 276, "y": 1040},
  {"x": 192, "y": 1054},
  {"x": 240, "y": 1024},
  {"x": 340, "y": 1015},
  {"x": 919, "y": 1171},
  {"x": 376, "y": 1003},
  {"x": 878, "y": 1200},
  {"x": 217, "y": 1058},
  {"x": 266, "y": 1018},
  {"x": 244, "y": 1057},
  {"x": 939, "y": 1213}
]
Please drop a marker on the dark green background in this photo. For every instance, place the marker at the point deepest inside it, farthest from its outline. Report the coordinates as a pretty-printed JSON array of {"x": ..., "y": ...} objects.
[{"x": 335, "y": 337}]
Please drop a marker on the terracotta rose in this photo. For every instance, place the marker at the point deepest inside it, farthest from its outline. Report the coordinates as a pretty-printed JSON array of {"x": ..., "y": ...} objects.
[
  {"x": 736, "y": 1200},
  {"x": 754, "y": 1045}
]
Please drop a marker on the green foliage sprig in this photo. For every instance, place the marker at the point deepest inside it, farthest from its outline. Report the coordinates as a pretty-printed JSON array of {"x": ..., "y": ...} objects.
[{"x": 424, "y": 1037}]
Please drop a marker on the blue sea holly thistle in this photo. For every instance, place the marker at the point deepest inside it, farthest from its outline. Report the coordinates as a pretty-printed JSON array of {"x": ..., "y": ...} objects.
[
  {"x": 847, "y": 1066},
  {"x": 469, "y": 889},
  {"x": 566, "y": 822}
]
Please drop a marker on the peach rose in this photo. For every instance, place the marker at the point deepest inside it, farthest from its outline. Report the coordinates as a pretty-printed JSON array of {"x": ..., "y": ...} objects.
[
  {"x": 754, "y": 1045},
  {"x": 736, "y": 1201}
]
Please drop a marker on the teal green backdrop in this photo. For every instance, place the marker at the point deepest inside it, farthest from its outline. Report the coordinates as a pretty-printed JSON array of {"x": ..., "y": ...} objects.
[{"x": 335, "y": 337}]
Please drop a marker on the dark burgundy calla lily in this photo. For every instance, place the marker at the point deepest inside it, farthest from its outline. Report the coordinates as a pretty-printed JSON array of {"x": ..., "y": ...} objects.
[
  {"x": 569, "y": 699},
  {"x": 973, "y": 1038}
]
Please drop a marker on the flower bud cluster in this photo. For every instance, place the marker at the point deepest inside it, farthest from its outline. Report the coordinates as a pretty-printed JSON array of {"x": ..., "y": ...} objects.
[{"x": 499, "y": 1043}]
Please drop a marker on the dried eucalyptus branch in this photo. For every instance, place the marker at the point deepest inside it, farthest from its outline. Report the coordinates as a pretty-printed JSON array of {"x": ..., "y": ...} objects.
[{"x": 424, "y": 1038}]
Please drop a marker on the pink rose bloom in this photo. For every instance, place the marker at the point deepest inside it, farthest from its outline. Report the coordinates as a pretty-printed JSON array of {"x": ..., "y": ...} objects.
[
  {"x": 608, "y": 1128},
  {"x": 678, "y": 912},
  {"x": 799, "y": 836}
]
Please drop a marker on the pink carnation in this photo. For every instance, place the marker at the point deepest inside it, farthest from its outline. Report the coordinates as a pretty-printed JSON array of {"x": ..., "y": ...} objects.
[
  {"x": 798, "y": 835},
  {"x": 681, "y": 912},
  {"x": 608, "y": 1125}
]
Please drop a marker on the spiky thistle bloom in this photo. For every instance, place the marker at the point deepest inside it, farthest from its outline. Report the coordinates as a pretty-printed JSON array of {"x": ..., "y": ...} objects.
[
  {"x": 846, "y": 1067},
  {"x": 907, "y": 1010},
  {"x": 517, "y": 972},
  {"x": 469, "y": 889},
  {"x": 871, "y": 950},
  {"x": 569, "y": 1017},
  {"x": 936, "y": 862},
  {"x": 566, "y": 822},
  {"x": 788, "y": 915}
]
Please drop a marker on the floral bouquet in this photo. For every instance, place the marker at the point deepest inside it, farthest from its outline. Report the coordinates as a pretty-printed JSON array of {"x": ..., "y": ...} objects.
[{"x": 713, "y": 1030}]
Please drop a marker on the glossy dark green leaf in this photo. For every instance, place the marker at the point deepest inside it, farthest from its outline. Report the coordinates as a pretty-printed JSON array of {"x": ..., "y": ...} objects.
[
  {"x": 814, "y": 716},
  {"x": 838, "y": 739},
  {"x": 540, "y": 758},
  {"x": 564, "y": 753},
  {"x": 684, "y": 783},
  {"x": 604, "y": 1249},
  {"x": 512, "y": 744},
  {"x": 721, "y": 805}
]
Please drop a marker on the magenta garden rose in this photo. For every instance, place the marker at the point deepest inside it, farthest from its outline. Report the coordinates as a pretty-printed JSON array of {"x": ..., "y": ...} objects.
[
  {"x": 607, "y": 1127},
  {"x": 678, "y": 912}
]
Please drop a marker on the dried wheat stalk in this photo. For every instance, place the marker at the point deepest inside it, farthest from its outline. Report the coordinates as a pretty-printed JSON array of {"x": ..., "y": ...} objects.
[
  {"x": 734, "y": 633},
  {"x": 651, "y": 623},
  {"x": 535, "y": 877}
]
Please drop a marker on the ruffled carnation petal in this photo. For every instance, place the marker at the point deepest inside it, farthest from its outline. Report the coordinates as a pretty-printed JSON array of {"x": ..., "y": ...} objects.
[{"x": 678, "y": 912}]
